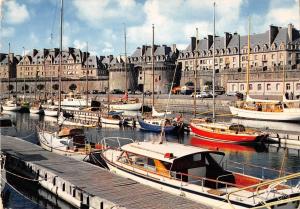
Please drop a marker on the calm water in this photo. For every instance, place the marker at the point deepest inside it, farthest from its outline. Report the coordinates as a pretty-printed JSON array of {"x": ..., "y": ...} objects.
[{"x": 262, "y": 155}]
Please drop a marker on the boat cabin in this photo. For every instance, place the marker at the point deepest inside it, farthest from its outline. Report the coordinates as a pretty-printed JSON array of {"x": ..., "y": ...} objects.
[
  {"x": 177, "y": 161},
  {"x": 77, "y": 135}
]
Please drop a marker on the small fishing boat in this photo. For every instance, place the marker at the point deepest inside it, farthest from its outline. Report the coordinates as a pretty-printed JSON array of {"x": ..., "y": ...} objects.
[
  {"x": 36, "y": 108},
  {"x": 7, "y": 127},
  {"x": 197, "y": 174},
  {"x": 126, "y": 106},
  {"x": 11, "y": 105},
  {"x": 160, "y": 114},
  {"x": 51, "y": 110},
  {"x": 112, "y": 118},
  {"x": 226, "y": 133},
  {"x": 156, "y": 125},
  {"x": 72, "y": 100},
  {"x": 68, "y": 141}
]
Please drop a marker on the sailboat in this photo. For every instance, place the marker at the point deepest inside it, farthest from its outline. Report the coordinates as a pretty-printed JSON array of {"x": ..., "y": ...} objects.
[
  {"x": 223, "y": 132},
  {"x": 125, "y": 103},
  {"x": 11, "y": 104},
  {"x": 66, "y": 141},
  {"x": 156, "y": 123},
  {"x": 275, "y": 110}
]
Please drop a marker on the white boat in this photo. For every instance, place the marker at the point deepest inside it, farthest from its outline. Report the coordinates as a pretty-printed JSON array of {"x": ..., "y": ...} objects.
[
  {"x": 129, "y": 106},
  {"x": 51, "y": 111},
  {"x": 197, "y": 174},
  {"x": 286, "y": 114},
  {"x": 73, "y": 100},
  {"x": 7, "y": 127},
  {"x": 11, "y": 106},
  {"x": 160, "y": 114},
  {"x": 36, "y": 109},
  {"x": 112, "y": 119},
  {"x": 68, "y": 142}
]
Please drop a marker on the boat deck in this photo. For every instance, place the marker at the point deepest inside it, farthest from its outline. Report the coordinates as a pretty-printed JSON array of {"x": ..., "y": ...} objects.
[{"x": 94, "y": 181}]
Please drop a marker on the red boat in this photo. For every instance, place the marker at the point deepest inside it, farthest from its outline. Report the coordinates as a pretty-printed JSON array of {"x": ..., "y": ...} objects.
[
  {"x": 212, "y": 145},
  {"x": 226, "y": 133}
]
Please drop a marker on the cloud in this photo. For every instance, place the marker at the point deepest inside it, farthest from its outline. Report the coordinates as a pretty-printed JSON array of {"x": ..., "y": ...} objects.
[
  {"x": 80, "y": 45},
  {"x": 7, "y": 32},
  {"x": 15, "y": 13},
  {"x": 98, "y": 13}
]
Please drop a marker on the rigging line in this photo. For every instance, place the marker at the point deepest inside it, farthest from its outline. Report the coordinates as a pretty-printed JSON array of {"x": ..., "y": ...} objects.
[
  {"x": 54, "y": 20},
  {"x": 25, "y": 178},
  {"x": 18, "y": 191}
]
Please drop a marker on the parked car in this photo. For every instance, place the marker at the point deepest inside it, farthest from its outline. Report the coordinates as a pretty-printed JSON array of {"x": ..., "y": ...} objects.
[
  {"x": 231, "y": 93},
  {"x": 202, "y": 95},
  {"x": 95, "y": 91},
  {"x": 117, "y": 91},
  {"x": 138, "y": 92},
  {"x": 147, "y": 93}
]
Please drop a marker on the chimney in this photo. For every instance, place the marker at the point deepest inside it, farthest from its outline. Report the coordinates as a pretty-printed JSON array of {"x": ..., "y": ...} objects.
[
  {"x": 209, "y": 41},
  {"x": 34, "y": 52},
  {"x": 174, "y": 49},
  {"x": 272, "y": 34},
  {"x": 193, "y": 43},
  {"x": 290, "y": 32},
  {"x": 227, "y": 39},
  {"x": 11, "y": 57}
]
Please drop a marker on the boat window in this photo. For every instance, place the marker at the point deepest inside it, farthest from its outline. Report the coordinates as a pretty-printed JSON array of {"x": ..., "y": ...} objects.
[{"x": 5, "y": 123}]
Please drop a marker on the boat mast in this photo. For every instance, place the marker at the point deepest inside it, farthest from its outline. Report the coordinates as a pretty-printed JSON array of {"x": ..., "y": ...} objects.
[
  {"x": 214, "y": 73},
  {"x": 152, "y": 65},
  {"x": 51, "y": 88},
  {"x": 8, "y": 68},
  {"x": 24, "y": 82},
  {"x": 248, "y": 60},
  {"x": 108, "y": 95},
  {"x": 86, "y": 75},
  {"x": 283, "y": 82},
  {"x": 195, "y": 74},
  {"x": 143, "y": 70},
  {"x": 60, "y": 57},
  {"x": 45, "y": 71},
  {"x": 125, "y": 61}
]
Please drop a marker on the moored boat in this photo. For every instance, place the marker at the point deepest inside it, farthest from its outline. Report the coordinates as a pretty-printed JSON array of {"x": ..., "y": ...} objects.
[
  {"x": 156, "y": 125},
  {"x": 227, "y": 133},
  {"x": 11, "y": 106},
  {"x": 7, "y": 127},
  {"x": 51, "y": 111},
  {"x": 196, "y": 174},
  {"x": 126, "y": 106},
  {"x": 68, "y": 141},
  {"x": 266, "y": 110},
  {"x": 36, "y": 108}
]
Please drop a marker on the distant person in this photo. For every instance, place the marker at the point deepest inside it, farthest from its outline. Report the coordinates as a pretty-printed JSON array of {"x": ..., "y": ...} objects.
[
  {"x": 286, "y": 95},
  {"x": 292, "y": 95}
]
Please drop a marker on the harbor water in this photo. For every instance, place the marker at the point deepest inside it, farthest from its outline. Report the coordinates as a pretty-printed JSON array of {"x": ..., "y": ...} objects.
[{"x": 23, "y": 195}]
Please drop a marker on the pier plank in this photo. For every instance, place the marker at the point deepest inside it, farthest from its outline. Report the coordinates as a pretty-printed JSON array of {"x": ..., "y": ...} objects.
[{"x": 95, "y": 180}]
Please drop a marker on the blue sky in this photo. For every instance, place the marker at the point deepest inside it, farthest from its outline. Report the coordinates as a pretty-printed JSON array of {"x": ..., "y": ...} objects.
[{"x": 29, "y": 23}]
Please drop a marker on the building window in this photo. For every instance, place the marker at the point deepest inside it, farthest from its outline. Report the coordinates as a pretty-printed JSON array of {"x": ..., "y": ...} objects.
[
  {"x": 233, "y": 59},
  {"x": 288, "y": 86},
  {"x": 277, "y": 86},
  {"x": 268, "y": 87},
  {"x": 273, "y": 56},
  {"x": 250, "y": 86},
  {"x": 233, "y": 87},
  {"x": 259, "y": 87},
  {"x": 298, "y": 86},
  {"x": 242, "y": 87}
]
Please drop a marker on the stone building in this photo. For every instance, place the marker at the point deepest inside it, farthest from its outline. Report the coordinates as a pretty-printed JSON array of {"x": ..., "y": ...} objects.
[
  {"x": 164, "y": 67},
  {"x": 117, "y": 74},
  {"x": 8, "y": 71},
  {"x": 270, "y": 52},
  {"x": 40, "y": 67}
]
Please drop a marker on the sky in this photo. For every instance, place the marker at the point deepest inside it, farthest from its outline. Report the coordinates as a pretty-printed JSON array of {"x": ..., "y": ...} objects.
[{"x": 28, "y": 24}]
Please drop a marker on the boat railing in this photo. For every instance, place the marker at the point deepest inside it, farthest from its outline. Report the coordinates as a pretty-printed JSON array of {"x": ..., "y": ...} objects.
[
  {"x": 269, "y": 186},
  {"x": 253, "y": 170},
  {"x": 115, "y": 142}
]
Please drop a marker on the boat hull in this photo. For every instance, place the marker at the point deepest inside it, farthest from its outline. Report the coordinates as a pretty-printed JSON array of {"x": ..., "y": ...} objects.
[
  {"x": 11, "y": 108},
  {"x": 134, "y": 106},
  {"x": 223, "y": 137},
  {"x": 36, "y": 111},
  {"x": 52, "y": 113},
  {"x": 111, "y": 121},
  {"x": 286, "y": 115},
  {"x": 52, "y": 144},
  {"x": 155, "y": 128}
]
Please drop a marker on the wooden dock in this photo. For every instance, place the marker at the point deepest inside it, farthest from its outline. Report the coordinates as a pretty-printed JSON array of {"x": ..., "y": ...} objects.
[{"x": 82, "y": 184}]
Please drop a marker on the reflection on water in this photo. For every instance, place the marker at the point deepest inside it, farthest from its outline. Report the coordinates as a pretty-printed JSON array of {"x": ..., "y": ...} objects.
[{"x": 267, "y": 156}]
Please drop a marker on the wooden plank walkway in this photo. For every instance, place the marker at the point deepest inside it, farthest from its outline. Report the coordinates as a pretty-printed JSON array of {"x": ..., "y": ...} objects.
[{"x": 94, "y": 180}]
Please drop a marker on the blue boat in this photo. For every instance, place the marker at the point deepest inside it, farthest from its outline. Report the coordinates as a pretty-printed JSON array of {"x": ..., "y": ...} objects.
[{"x": 155, "y": 125}]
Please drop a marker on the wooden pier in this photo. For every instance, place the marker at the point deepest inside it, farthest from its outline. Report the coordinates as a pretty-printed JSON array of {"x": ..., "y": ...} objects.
[{"x": 82, "y": 184}]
